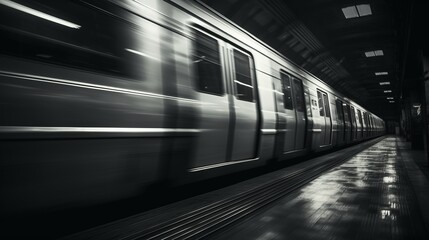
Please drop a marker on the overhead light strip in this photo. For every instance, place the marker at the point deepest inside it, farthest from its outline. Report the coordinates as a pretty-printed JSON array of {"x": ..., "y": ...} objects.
[
  {"x": 381, "y": 73},
  {"x": 378, "y": 52},
  {"x": 350, "y": 12},
  {"x": 370, "y": 54},
  {"x": 39, "y": 14},
  {"x": 364, "y": 10},
  {"x": 357, "y": 11},
  {"x": 375, "y": 53},
  {"x": 384, "y": 83}
]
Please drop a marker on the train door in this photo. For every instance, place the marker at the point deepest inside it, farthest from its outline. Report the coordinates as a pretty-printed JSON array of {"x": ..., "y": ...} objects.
[
  {"x": 358, "y": 124},
  {"x": 368, "y": 133},
  {"x": 301, "y": 119},
  {"x": 328, "y": 119},
  {"x": 365, "y": 124},
  {"x": 340, "y": 121},
  {"x": 370, "y": 126},
  {"x": 353, "y": 117},
  {"x": 325, "y": 113},
  {"x": 361, "y": 124},
  {"x": 349, "y": 123},
  {"x": 243, "y": 105},
  {"x": 214, "y": 110},
  {"x": 287, "y": 113}
]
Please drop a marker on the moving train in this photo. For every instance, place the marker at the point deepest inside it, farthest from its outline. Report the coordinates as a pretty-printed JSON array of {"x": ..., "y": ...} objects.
[{"x": 100, "y": 99}]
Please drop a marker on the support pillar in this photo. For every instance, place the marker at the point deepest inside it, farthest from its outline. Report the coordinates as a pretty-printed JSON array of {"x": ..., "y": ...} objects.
[{"x": 425, "y": 102}]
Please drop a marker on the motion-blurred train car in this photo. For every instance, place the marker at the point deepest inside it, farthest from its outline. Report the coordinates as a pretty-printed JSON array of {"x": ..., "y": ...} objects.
[{"x": 100, "y": 99}]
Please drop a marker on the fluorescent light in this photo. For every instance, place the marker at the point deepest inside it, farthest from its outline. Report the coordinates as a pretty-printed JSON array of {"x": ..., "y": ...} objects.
[
  {"x": 378, "y": 52},
  {"x": 357, "y": 11},
  {"x": 364, "y": 9},
  {"x": 374, "y": 53},
  {"x": 389, "y": 98},
  {"x": 381, "y": 73},
  {"x": 370, "y": 54},
  {"x": 350, "y": 12},
  {"x": 384, "y": 83},
  {"x": 39, "y": 14},
  {"x": 387, "y": 91},
  {"x": 391, "y": 101}
]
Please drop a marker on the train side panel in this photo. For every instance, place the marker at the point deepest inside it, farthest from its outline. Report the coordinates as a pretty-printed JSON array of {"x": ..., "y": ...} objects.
[{"x": 77, "y": 131}]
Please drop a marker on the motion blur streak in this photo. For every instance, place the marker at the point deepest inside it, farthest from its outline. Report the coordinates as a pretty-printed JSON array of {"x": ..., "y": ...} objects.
[{"x": 39, "y": 14}]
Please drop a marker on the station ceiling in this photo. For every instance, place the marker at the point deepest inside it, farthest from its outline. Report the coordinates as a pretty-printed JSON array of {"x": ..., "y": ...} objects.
[{"x": 359, "y": 48}]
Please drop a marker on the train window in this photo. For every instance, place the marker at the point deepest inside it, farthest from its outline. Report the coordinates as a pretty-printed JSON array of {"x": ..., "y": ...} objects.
[
  {"x": 287, "y": 91},
  {"x": 346, "y": 109},
  {"x": 327, "y": 106},
  {"x": 298, "y": 94},
  {"x": 307, "y": 100},
  {"x": 363, "y": 117},
  {"x": 359, "y": 116},
  {"x": 339, "y": 105},
  {"x": 321, "y": 107},
  {"x": 353, "y": 114},
  {"x": 367, "y": 120},
  {"x": 243, "y": 77},
  {"x": 206, "y": 60},
  {"x": 72, "y": 34}
]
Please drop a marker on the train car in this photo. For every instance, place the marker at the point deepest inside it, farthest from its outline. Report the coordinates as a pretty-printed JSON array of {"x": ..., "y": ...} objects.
[{"x": 100, "y": 99}]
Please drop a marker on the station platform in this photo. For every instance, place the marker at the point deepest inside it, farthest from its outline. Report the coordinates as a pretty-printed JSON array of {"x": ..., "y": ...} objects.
[
  {"x": 374, "y": 195},
  {"x": 375, "y": 190}
]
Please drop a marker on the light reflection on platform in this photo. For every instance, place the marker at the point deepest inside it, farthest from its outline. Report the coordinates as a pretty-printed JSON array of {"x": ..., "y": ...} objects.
[{"x": 368, "y": 197}]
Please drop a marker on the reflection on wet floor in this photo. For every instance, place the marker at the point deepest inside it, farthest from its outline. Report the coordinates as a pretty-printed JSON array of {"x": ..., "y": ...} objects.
[{"x": 368, "y": 197}]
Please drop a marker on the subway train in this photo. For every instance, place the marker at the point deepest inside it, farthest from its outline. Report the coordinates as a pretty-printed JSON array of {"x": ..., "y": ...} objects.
[{"x": 101, "y": 99}]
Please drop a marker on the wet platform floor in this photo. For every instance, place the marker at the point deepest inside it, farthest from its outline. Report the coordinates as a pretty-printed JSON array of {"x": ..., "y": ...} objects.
[{"x": 380, "y": 193}]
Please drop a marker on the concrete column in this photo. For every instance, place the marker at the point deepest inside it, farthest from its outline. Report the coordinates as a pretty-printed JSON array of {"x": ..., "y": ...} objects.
[{"x": 425, "y": 102}]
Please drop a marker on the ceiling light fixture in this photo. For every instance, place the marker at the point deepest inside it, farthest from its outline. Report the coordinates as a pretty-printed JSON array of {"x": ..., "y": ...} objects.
[
  {"x": 391, "y": 101},
  {"x": 379, "y": 52},
  {"x": 387, "y": 91},
  {"x": 384, "y": 83},
  {"x": 381, "y": 73},
  {"x": 370, "y": 54},
  {"x": 350, "y": 12},
  {"x": 389, "y": 98},
  {"x": 357, "y": 11},
  {"x": 374, "y": 53},
  {"x": 364, "y": 9}
]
